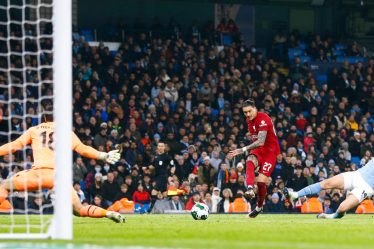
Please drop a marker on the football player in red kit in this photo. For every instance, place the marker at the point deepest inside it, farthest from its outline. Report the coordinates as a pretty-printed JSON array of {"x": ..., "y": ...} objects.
[{"x": 263, "y": 152}]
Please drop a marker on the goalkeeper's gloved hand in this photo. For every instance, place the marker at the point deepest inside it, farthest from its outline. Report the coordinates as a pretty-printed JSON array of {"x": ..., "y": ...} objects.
[{"x": 111, "y": 157}]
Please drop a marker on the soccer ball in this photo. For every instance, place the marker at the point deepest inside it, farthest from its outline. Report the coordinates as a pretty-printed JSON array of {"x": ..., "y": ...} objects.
[{"x": 200, "y": 211}]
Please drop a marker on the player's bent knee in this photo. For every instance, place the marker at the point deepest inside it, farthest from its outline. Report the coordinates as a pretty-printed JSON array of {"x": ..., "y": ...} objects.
[
  {"x": 253, "y": 159},
  {"x": 76, "y": 212},
  {"x": 328, "y": 184},
  {"x": 344, "y": 207},
  {"x": 324, "y": 185},
  {"x": 262, "y": 178},
  {"x": 7, "y": 184},
  {"x": 77, "y": 206}
]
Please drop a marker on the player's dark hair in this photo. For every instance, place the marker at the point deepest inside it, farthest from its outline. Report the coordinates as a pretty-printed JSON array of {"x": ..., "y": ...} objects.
[
  {"x": 47, "y": 110},
  {"x": 249, "y": 102}
]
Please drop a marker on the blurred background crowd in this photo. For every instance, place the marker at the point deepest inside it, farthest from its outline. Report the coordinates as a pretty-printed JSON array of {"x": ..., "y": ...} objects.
[{"x": 187, "y": 91}]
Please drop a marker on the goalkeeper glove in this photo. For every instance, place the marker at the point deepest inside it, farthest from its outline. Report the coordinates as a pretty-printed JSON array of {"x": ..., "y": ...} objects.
[{"x": 111, "y": 157}]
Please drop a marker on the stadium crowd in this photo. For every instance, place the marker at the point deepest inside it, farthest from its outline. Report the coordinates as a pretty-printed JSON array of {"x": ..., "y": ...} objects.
[{"x": 187, "y": 93}]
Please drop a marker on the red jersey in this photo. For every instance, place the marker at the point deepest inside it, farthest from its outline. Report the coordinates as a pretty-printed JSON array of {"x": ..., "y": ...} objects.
[
  {"x": 141, "y": 197},
  {"x": 262, "y": 122}
]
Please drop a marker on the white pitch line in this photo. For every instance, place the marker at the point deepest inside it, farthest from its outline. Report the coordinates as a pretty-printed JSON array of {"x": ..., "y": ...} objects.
[{"x": 71, "y": 246}]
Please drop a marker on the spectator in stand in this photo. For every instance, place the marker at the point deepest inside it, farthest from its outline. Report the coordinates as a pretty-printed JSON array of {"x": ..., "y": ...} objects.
[
  {"x": 176, "y": 204},
  {"x": 293, "y": 138},
  {"x": 367, "y": 156},
  {"x": 182, "y": 169},
  {"x": 301, "y": 121},
  {"x": 287, "y": 170},
  {"x": 240, "y": 169},
  {"x": 161, "y": 204},
  {"x": 195, "y": 198},
  {"x": 288, "y": 208},
  {"x": 215, "y": 160},
  {"x": 216, "y": 198},
  {"x": 207, "y": 173},
  {"x": 298, "y": 181},
  {"x": 321, "y": 168},
  {"x": 142, "y": 200},
  {"x": 208, "y": 200},
  {"x": 124, "y": 193},
  {"x": 171, "y": 93},
  {"x": 147, "y": 183},
  {"x": 79, "y": 170},
  {"x": 130, "y": 184},
  {"x": 335, "y": 202},
  {"x": 109, "y": 189},
  {"x": 274, "y": 205},
  {"x": 78, "y": 190},
  {"x": 327, "y": 205},
  {"x": 224, "y": 204},
  {"x": 98, "y": 201},
  {"x": 308, "y": 176},
  {"x": 355, "y": 145},
  {"x": 37, "y": 205},
  {"x": 223, "y": 176},
  {"x": 233, "y": 182},
  {"x": 308, "y": 140},
  {"x": 241, "y": 184},
  {"x": 101, "y": 138},
  {"x": 239, "y": 204},
  {"x": 346, "y": 152},
  {"x": 96, "y": 186}
]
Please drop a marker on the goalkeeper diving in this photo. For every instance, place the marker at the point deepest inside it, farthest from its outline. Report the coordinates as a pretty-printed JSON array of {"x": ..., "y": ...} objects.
[{"x": 41, "y": 175}]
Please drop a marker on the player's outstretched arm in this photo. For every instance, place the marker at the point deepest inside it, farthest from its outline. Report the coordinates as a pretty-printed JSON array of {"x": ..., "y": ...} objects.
[
  {"x": 17, "y": 144},
  {"x": 87, "y": 151},
  {"x": 261, "y": 137},
  {"x": 111, "y": 157}
]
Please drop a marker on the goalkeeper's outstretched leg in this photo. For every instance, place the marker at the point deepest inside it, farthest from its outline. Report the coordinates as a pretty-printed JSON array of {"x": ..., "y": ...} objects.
[
  {"x": 35, "y": 179},
  {"x": 94, "y": 211}
]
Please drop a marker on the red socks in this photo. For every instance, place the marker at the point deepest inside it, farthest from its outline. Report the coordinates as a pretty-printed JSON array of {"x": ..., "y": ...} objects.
[
  {"x": 261, "y": 193},
  {"x": 250, "y": 173}
]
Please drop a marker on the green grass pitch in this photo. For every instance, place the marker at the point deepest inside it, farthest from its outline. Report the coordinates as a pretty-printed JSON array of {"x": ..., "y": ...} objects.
[{"x": 223, "y": 231}]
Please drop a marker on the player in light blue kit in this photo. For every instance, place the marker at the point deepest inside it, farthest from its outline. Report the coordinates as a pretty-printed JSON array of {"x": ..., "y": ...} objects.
[{"x": 360, "y": 183}]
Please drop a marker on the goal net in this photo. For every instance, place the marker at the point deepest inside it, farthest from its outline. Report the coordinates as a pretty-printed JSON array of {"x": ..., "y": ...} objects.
[{"x": 35, "y": 66}]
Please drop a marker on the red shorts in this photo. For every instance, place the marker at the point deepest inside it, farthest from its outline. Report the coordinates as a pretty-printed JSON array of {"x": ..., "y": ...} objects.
[{"x": 266, "y": 160}]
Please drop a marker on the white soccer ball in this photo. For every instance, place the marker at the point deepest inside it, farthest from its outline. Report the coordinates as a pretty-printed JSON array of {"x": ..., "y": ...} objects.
[{"x": 200, "y": 211}]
